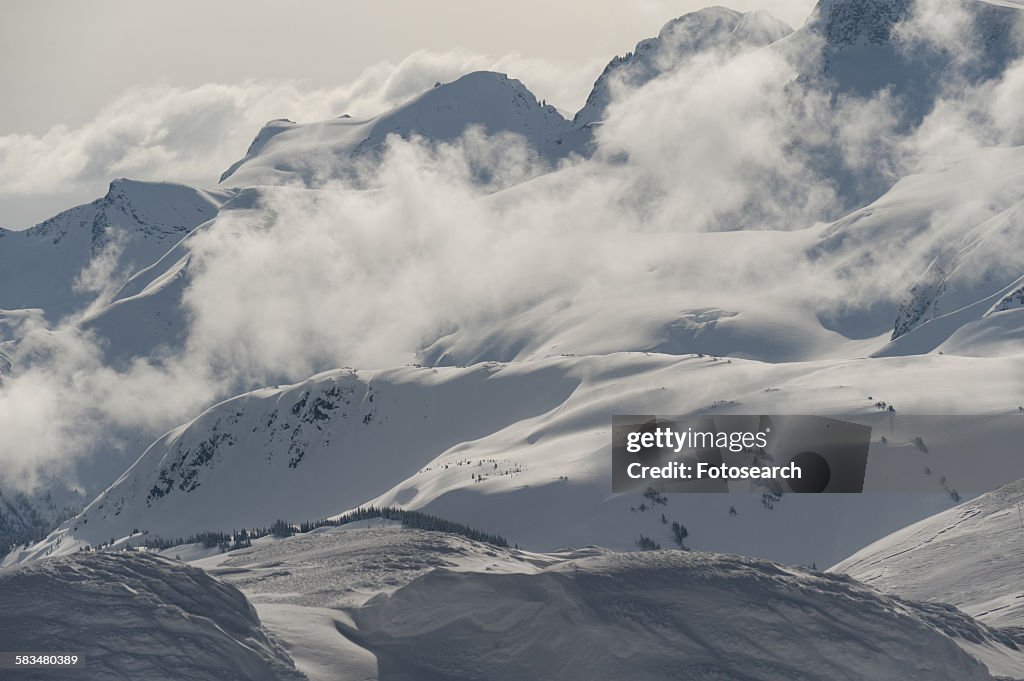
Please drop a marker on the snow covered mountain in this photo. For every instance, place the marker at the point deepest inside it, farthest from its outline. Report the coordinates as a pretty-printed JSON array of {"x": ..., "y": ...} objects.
[
  {"x": 954, "y": 231},
  {"x": 134, "y": 224},
  {"x": 136, "y": 616},
  {"x": 961, "y": 225},
  {"x": 870, "y": 45},
  {"x": 147, "y": 315},
  {"x": 957, "y": 280},
  {"x": 286, "y": 153},
  {"x": 536, "y": 308},
  {"x": 711, "y": 30},
  {"x": 522, "y": 450}
]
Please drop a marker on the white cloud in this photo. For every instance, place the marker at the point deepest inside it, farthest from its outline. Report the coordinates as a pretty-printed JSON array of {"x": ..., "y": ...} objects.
[
  {"x": 191, "y": 135},
  {"x": 942, "y": 27}
]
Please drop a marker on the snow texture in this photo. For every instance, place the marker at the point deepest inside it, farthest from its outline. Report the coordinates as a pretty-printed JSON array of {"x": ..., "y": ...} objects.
[
  {"x": 136, "y": 616},
  {"x": 658, "y": 615}
]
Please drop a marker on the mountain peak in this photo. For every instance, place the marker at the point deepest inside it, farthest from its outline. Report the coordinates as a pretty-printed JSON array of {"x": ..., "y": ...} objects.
[
  {"x": 42, "y": 265},
  {"x": 312, "y": 153},
  {"x": 871, "y": 22},
  {"x": 706, "y": 30}
]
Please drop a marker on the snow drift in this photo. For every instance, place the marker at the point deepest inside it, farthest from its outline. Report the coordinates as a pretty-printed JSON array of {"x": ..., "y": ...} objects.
[
  {"x": 654, "y": 616},
  {"x": 136, "y": 616}
]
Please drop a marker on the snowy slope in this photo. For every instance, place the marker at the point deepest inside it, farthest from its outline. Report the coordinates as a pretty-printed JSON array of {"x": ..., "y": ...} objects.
[
  {"x": 967, "y": 556},
  {"x": 311, "y": 154},
  {"x": 522, "y": 450},
  {"x": 664, "y": 312},
  {"x": 944, "y": 242},
  {"x": 976, "y": 265},
  {"x": 956, "y": 231},
  {"x": 136, "y": 616},
  {"x": 658, "y": 615},
  {"x": 135, "y": 221},
  {"x": 146, "y": 315},
  {"x": 312, "y": 449},
  {"x": 944, "y": 225}
]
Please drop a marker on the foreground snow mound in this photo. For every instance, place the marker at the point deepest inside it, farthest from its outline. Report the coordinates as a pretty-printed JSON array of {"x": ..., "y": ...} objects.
[
  {"x": 136, "y": 616},
  {"x": 659, "y": 615},
  {"x": 303, "y": 586}
]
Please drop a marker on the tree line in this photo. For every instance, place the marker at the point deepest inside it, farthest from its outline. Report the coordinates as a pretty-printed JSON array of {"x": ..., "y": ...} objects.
[{"x": 240, "y": 539}]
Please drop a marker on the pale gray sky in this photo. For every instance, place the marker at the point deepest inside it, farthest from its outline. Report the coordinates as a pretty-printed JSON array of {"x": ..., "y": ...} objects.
[{"x": 64, "y": 61}]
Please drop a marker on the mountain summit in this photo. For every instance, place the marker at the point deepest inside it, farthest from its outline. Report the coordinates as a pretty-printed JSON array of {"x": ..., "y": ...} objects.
[
  {"x": 311, "y": 154},
  {"x": 707, "y": 30}
]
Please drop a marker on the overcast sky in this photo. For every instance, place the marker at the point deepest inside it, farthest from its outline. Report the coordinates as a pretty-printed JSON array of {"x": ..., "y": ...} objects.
[{"x": 66, "y": 62}]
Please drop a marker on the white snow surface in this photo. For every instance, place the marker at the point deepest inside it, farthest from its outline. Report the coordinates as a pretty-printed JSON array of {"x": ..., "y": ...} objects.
[
  {"x": 135, "y": 616},
  {"x": 653, "y": 616},
  {"x": 523, "y": 450},
  {"x": 945, "y": 237},
  {"x": 967, "y": 556},
  {"x": 306, "y": 586},
  {"x": 371, "y": 600}
]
